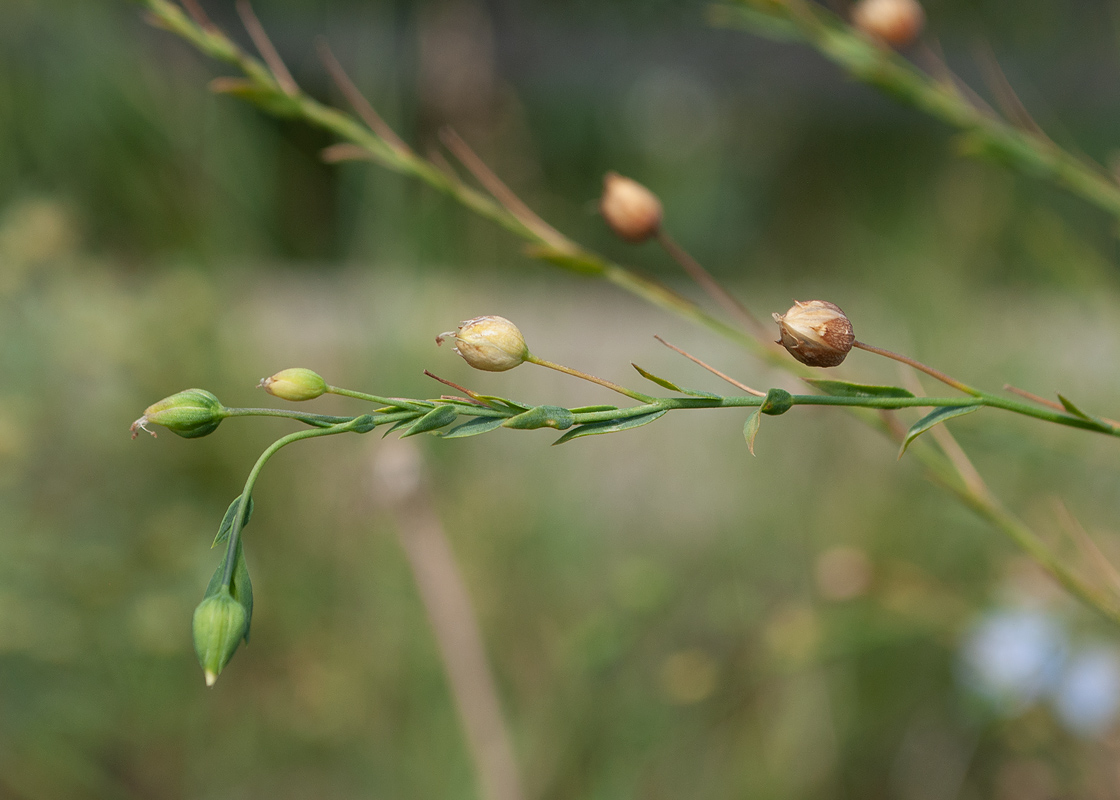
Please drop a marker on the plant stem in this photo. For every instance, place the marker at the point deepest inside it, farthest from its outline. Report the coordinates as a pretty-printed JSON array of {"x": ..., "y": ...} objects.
[
  {"x": 254, "y": 473},
  {"x": 396, "y": 402},
  {"x": 1025, "y": 151},
  {"x": 318, "y": 420}
]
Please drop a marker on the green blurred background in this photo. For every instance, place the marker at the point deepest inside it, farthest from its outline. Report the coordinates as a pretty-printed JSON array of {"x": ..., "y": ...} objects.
[{"x": 666, "y": 616}]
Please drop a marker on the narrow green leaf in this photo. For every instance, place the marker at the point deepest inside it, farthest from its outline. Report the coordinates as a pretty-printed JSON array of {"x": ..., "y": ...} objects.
[
  {"x": 542, "y": 417},
  {"x": 611, "y": 426},
  {"x": 489, "y": 398},
  {"x": 750, "y": 429},
  {"x": 475, "y": 426},
  {"x": 241, "y": 587},
  {"x": 845, "y": 389},
  {"x": 649, "y": 376},
  {"x": 396, "y": 426},
  {"x": 436, "y": 418},
  {"x": 227, "y": 520},
  {"x": 1077, "y": 412},
  {"x": 935, "y": 417},
  {"x": 593, "y": 409}
]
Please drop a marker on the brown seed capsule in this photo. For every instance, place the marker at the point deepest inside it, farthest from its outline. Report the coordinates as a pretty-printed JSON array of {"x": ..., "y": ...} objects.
[
  {"x": 631, "y": 210},
  {"x": 896, "y": 22},
  {"x": 489, "y": 343},
  {"x": 816, "y": 333}
]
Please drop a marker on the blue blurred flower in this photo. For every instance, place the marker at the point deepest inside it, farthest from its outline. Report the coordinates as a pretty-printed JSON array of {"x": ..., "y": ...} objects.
[
  {"x": 1088, "y": 696},
  {"x": 1012, "y": 657}
]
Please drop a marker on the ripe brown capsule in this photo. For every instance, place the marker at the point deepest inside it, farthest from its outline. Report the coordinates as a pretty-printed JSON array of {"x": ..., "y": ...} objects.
[
  {"x": 816, "y": 333},
  {"x": 896, "y": 22},
  {"x": 631, "y": 210}
]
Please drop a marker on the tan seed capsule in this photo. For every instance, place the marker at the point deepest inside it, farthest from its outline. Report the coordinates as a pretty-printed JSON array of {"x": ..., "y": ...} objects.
[
  {"x": 631, "y": 210},
  {"x": 816, "y": 333},
  {"x": 896, "y": 22},
  {"x": 295, "y": 384},
  {"x": 488, "y": 343}
]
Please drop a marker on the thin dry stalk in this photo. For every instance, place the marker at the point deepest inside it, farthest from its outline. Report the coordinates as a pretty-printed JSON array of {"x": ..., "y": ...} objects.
[
  {"x": 1085, "y": 544},
  {"x": 711, "y": 369},
  {"x": 710, "y": 285},
  {"x": 949, "y": 445},
  {"x": 502, "y": 193},
  {"x": 265, "y": 47},
  {"x": 356, "y": 99},
  {"x": 399, "y": 482}
]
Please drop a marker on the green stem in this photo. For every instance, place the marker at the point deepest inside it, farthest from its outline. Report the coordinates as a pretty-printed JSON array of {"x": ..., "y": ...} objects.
[
  {"x": 254, "y": 473},
  {"x": 395, "y": 402},
  {"x": 318, "y": 420},
  {"x": 987, "y": 135}
]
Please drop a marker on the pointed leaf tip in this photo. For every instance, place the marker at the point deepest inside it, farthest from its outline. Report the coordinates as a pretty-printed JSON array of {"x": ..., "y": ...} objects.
[
  {"x": 935, "y": 417},
  {"x": 750, "y": 429}
]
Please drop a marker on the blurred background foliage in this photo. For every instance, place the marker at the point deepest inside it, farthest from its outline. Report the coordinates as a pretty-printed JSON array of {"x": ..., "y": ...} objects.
[{"x": 665, "y": 615}]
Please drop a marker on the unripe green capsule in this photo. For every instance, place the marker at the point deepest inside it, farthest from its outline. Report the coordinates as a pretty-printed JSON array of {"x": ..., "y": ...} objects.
[
  {"x": 219, "y": 626},
  {"x": 191, "y": 413}
]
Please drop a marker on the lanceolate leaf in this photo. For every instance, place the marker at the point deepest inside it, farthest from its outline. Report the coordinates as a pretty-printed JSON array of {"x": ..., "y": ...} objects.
[
  {"x": 396, "y": 426},
  {"x": 475, "y": 426},
  {"x": 935, "y": 417},
  {"x": 750, "y": 430},
  {"x": 845, "y": 389},
  {"x": 1077, "y": 412},
  {"x": 672, "y": 387},
  {"x": 227, "y": 520},
  {"x": 489, "y": 398},
  {"x": 649, "y": 376},
  {"x": 436, "y": 418},
  {"x": 240, "y": 586},
  {"x": 595, "y": 428}
]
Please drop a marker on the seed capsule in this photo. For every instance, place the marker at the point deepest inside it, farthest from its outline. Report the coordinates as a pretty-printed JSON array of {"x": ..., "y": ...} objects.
[
  {"x": 295, "y": 384},
  {"x": 219, "y": 625},
  {"x": 816, "y": 333},
  {"x": 191, "y": 413},
  {"x": 896, "y": 22},
  {"x": 488, "y": 343},
  {"x": 631, "y": 210}
]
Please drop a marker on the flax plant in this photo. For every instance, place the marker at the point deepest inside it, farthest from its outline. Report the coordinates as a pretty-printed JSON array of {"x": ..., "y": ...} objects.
[{"x": 815, "y": 333}]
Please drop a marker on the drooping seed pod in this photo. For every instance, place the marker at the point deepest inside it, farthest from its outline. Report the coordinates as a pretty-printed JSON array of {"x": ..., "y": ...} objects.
[
  {"x": 191, "y": 413},
  {"x": 816, "y": 333},
  {"x": 896, "y": 22},
  {"x": 631, "y": 210},
  {"x": 295, "y": 384},
  {"x": 219, "y": 626},
  {"x": 489, "y": 343}
]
